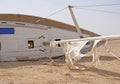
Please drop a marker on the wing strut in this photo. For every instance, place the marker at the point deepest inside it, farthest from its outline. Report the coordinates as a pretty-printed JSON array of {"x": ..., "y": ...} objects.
[{"x": 74, "y": 20}]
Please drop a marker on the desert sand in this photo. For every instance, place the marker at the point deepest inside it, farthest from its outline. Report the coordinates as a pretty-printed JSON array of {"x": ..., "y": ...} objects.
[{"x": 42, "y": 72}]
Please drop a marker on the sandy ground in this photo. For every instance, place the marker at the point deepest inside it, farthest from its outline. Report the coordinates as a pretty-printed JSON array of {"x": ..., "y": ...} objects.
[{"x": 42, "y": 72}]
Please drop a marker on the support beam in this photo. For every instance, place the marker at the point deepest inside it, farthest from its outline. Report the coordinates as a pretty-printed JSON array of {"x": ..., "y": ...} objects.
[{"x": 74, "y": 20}]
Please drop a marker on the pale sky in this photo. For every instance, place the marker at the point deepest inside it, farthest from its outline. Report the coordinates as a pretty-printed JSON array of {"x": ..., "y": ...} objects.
[{"x": 99, "y": 22}]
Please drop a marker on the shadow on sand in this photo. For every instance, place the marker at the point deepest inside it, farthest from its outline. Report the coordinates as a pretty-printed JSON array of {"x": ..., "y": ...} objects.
[
  {"x": 45, "y": 61},
  {"x": 104, "y": 73}
]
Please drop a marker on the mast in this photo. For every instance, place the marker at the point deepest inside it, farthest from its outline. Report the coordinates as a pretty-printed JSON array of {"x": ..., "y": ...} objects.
[{"x": 74, "y": 20}]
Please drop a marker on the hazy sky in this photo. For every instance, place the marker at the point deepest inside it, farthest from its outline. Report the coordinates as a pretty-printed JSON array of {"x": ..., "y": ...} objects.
[{"x": 100, "y": 22}]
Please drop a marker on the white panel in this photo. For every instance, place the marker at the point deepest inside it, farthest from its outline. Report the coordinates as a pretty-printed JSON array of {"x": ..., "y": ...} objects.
[{"x": 16, "y": 45}]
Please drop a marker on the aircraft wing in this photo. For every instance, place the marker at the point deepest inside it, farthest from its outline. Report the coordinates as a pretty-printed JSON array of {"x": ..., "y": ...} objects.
[{"x": 91, "y": 38}]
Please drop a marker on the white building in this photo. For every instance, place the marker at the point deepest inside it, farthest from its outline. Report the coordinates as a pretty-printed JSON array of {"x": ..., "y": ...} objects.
[{"x": 24, "y": 37}]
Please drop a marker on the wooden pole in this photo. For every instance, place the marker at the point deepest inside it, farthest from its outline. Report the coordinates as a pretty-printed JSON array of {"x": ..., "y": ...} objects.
[{"x": 74, "y": 20}]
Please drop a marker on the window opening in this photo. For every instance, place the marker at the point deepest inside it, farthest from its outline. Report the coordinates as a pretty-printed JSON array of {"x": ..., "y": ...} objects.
[
  {"x": 30, "y": 44},
  {"x": 3, "y": 22},
  {"x": 20, "y": 23},
  {"x": 58, "y": 40}
]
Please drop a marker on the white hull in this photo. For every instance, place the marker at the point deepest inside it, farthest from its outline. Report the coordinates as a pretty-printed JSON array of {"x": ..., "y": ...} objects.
[{"x": 16, "y": 46}]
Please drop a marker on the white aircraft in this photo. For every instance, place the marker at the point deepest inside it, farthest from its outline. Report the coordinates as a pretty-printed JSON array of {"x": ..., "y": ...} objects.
[{"x": 74, "y": 49}]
